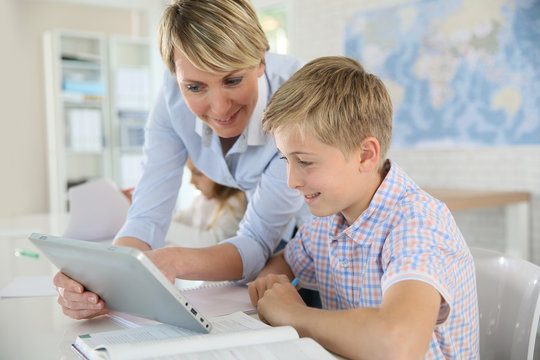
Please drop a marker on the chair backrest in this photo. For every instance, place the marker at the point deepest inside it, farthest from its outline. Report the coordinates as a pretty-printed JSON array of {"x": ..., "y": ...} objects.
[{"x": 508, "y": 300}]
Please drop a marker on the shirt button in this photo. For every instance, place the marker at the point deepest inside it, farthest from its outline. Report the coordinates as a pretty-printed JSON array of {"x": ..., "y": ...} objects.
[{"x": 345, "y": 262}]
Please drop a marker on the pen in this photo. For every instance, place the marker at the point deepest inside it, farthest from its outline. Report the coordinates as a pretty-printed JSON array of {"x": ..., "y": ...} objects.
[
  {"x": 22, "y": 252},
  {"x": 294, "y": 282}
]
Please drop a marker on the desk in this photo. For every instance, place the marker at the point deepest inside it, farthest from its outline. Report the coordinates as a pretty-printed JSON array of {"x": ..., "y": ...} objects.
[
  {"x": 35, "y": 328},
  {"x": 516, "y": 205}
]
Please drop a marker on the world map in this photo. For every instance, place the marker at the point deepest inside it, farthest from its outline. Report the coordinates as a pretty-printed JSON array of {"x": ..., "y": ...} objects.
[{"x": 460, "y": 73}]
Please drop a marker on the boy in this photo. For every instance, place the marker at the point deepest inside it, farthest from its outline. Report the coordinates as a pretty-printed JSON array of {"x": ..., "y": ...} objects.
[{"x": 395, "y": 276}]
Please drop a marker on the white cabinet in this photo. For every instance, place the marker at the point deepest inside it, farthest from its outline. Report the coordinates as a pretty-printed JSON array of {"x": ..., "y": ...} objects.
[
  {"x": 131, "y": 98},
  {"x": 97, "y": 103}
]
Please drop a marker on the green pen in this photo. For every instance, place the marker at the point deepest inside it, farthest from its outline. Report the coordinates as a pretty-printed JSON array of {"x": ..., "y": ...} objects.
[{"x": 22, "y": 252}]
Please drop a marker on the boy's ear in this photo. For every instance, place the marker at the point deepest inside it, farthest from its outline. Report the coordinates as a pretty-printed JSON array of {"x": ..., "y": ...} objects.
[{"x": 369, "y": 151}]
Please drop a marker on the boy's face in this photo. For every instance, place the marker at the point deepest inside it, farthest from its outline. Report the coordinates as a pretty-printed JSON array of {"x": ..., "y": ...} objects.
[{"x": 329, "y": 182}]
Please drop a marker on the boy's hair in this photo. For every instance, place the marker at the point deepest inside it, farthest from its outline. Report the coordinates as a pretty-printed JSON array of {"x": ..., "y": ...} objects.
[
  {"x": 215, "y": 35},
  {"x": 336, "y": 101}
]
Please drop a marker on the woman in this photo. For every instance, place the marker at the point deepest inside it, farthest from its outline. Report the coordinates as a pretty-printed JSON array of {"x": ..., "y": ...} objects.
[{"x": 210, "y": 109}]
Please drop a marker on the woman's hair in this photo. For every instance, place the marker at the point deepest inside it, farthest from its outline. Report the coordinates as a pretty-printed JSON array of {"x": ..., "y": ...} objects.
[
  {"x": 337, "y": 101},
  {"x": 223, "y": 194},
  {"x": 214, "y": 35}
]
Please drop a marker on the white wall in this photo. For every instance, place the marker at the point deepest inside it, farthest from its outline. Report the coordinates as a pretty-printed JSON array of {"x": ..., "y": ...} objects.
[
  {"x": 23, "y": 183},
  {"x": 316, "y": 28}
]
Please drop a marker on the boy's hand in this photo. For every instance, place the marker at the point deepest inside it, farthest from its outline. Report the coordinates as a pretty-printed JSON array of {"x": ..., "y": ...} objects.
[
  {"x": 277, "y": 300},
  {"x": 77, "y": 303},
  {"x": 257, "y": 288}
]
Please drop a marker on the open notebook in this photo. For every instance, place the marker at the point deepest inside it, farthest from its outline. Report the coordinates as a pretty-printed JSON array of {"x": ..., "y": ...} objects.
[{"x": 236, "y": 336}]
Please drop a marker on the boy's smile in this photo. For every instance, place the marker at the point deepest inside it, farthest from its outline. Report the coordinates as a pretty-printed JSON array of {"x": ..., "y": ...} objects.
[{"x": 329, "y": 181}]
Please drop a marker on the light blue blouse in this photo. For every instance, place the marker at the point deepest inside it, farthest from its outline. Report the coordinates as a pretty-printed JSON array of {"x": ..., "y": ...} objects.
[{"x": 252, "y": 164}]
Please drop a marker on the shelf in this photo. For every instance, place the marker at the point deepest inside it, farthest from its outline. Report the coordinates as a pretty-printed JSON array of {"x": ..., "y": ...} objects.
[
  {"x": 70, "y": 152},
  {"x": 81, "y": 100},
  {"x": 81, "y": 65},
  {"x": 82, "y": 57},
  {"x": 98, "y": 99}
]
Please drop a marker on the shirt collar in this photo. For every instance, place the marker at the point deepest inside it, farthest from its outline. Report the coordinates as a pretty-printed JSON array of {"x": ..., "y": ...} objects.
[
  {"x": 383, "y": 203},
  {"x": 253, "y": 134}
]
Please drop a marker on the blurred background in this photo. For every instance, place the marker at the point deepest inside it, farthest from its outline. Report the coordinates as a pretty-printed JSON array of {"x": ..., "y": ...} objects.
[{"x": 79, "y": 78}]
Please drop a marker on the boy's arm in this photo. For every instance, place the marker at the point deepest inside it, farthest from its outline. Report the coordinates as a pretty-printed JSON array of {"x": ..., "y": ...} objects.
[{"x": 400, "y": 329}]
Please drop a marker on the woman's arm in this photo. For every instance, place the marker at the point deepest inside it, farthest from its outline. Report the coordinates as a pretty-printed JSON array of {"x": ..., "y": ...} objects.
[{"x": 165, "y": 155}]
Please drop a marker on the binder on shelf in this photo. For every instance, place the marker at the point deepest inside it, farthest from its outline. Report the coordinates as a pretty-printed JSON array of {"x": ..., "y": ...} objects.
[{"x": 85, "y": 132}]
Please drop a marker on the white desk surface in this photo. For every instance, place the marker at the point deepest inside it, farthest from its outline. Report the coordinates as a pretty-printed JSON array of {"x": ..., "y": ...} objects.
[{"x": 35, "y": 327}]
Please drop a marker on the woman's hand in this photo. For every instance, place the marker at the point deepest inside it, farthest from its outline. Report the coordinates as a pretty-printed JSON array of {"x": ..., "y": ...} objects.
[
  {"x": 77, "y": 303},
  {"x": 165, "y": 259}
]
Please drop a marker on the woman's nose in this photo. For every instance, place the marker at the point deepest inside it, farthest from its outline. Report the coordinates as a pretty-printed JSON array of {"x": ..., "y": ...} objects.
[{"x": 220, "y": 104}]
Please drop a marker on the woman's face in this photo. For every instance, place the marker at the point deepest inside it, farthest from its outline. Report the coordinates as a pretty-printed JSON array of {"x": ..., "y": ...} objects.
[{"x": 225, "y": 101}]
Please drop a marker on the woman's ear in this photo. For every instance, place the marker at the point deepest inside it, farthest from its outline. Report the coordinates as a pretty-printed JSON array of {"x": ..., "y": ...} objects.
[
  {"x": 261, "y": 67},
  {"x": 369, "y": 152}
]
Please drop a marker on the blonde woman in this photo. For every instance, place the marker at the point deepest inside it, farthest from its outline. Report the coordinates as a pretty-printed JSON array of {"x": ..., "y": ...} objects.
[{"x": 210, "y": 108}]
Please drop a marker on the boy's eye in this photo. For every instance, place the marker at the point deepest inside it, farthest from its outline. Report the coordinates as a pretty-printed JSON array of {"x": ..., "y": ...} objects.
[{"x": 233, "y": 81}]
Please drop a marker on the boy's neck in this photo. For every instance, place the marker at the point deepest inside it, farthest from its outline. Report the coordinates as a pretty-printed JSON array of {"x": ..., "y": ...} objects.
[{"x": 372, "y": 184}]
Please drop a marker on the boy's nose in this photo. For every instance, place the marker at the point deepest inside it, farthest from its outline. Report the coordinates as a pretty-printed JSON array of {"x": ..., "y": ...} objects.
[{"x": 293, "y": 181}]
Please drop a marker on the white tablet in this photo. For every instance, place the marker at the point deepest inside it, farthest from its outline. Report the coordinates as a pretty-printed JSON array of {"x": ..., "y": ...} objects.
[{"x": 124, "y": 278}]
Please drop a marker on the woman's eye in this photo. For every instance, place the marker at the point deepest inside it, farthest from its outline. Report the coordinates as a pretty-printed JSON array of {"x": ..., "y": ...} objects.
[
  {"x": 233, "y": 81},
  {"x": 283, "y": 158},
  {"x": 304, "y": 163},
  {"x": 193, "y": 87}
]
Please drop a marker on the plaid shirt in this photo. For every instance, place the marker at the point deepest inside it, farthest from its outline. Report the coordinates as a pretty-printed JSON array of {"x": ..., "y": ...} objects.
[{"x": 404, "y": 234}]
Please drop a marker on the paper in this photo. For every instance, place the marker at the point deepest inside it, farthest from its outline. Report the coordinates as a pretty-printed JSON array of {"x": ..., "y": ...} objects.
[
  {"x": 98, "y": 209},
  {"x": 216, "y": 299},
  {"x": 29, "y": 287}
]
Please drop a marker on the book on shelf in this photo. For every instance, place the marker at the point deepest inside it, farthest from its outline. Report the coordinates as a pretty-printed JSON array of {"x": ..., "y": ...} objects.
[{"x": 237, "y": 336}]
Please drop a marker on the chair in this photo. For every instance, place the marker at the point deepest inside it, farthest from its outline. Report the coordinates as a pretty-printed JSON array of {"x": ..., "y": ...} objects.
[{"x": 508, "y": 300}]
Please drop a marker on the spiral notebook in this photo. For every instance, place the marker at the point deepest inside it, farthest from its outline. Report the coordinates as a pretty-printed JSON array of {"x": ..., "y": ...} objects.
[{"x": 220, "y": 298}]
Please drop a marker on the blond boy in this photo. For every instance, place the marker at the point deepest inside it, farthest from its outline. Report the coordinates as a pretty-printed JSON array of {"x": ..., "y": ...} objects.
[{"x": 395, "y": 276}]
